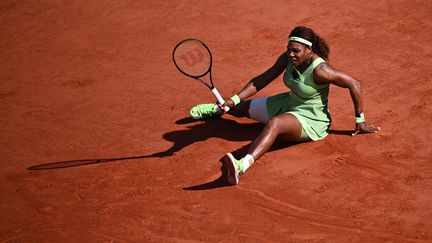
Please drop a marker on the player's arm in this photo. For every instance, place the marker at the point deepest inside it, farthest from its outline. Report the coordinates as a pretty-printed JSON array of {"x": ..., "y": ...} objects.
[
  {"x": 262, "y": 80},
  {"x": 326, "y": 74}
]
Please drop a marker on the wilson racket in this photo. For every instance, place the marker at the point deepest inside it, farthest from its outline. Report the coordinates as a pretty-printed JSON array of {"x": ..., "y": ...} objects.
[{"x": 193, "y": 58}]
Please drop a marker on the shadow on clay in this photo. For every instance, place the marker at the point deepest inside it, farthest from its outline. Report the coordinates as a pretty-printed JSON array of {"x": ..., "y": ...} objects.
[{"x": 198, "y": 131}]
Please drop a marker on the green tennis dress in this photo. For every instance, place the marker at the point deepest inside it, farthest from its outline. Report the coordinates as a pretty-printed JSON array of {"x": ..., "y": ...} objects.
[{"x": 307, "y": 101}]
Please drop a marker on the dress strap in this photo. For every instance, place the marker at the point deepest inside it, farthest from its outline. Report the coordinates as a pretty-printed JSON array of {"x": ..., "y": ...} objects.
[{"x": 317, "y": 62}]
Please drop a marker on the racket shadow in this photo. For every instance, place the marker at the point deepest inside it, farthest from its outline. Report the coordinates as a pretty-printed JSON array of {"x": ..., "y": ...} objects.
[
  {"x": 201, "y": 131},
  {"x": 81, "y": 162}
]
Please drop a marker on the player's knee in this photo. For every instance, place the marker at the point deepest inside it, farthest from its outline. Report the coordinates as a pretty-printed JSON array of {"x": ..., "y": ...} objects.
[{"x": 274, "y": 124}]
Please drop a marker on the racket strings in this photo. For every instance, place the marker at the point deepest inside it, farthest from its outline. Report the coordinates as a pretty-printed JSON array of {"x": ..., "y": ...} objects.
[
  {"x": 194, "y": 62},
  {"x": 192, "y": 58}
]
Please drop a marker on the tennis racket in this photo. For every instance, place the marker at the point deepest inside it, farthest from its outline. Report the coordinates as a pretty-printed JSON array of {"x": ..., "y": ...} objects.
[{"x": 193, "y": 58}]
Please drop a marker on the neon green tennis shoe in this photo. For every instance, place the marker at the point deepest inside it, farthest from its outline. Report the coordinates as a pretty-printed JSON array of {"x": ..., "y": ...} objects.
[
  {"x": 203, "y": 111},
  {"x": 234, "y": 168}
]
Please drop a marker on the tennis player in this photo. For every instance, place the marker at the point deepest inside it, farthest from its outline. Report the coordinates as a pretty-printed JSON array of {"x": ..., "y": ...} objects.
[{"x": 301, "y": 114}]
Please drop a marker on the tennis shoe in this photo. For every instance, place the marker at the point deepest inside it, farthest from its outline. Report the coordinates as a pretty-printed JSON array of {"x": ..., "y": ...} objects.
[
  {"x": 234, "y": 168},
  {"x": 203, "y": 111}
]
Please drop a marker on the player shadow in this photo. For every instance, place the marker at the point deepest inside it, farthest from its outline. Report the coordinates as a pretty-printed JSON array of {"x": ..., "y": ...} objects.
[{"x": 198, "y": 131}]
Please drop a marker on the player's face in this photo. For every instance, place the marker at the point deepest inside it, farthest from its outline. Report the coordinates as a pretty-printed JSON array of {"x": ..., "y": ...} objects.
[{"x": 297, "y": 53}]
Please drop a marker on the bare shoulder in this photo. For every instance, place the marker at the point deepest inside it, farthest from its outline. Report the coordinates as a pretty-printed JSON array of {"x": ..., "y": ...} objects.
[
  {"x": 324, "y": 73},
  {"x": 324, "y": 68}
]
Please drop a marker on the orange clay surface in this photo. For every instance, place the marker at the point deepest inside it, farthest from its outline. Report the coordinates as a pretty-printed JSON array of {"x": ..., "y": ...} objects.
[{"x": 86, "y": 80}]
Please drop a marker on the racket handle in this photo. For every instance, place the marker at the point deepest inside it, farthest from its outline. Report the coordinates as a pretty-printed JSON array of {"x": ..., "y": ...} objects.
[{"x": 219, "y": 98}]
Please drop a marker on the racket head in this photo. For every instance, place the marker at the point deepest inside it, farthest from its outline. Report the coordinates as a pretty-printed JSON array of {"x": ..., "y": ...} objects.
[{"x": 192, "y": 58}]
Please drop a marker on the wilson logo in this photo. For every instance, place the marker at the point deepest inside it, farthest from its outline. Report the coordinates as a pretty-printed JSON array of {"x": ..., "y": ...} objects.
[{"x": 192, "y": 57}]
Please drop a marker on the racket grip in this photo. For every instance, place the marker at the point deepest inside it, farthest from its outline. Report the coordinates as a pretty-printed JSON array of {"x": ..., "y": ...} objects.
[{"x": 219, "y": 98}]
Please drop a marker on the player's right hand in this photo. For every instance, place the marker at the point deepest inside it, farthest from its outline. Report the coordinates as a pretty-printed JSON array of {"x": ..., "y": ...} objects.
[
  {"x": 365, "y": 128},
  {"x": 228, "y": 103}
]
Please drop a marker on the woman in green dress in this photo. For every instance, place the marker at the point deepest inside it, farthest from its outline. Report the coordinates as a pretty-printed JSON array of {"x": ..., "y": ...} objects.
[{"x": 298, "y": 115}]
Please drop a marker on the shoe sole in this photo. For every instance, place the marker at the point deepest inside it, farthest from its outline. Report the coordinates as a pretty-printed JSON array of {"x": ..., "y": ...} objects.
[{"x": 229, "y": 165}]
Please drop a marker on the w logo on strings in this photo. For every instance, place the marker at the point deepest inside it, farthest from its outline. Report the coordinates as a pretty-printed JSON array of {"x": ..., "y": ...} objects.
[{"x": 193, "y": 57}]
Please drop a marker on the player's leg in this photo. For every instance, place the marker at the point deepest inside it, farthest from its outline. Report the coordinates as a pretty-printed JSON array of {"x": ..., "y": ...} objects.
[
  {"x": 285, "y": 126},
  {"x": 255, "y": 109}
]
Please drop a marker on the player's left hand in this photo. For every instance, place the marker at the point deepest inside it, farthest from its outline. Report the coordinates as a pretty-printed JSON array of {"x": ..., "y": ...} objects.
[{"x": 365, "y": 128}]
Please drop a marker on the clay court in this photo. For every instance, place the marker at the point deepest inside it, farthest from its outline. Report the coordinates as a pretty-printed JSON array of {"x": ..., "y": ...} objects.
[{"x": 97, "y": 145}]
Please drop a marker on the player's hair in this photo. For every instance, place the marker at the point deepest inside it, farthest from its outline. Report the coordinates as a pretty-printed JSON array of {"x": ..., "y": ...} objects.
[{"x": 319, "y": 45}]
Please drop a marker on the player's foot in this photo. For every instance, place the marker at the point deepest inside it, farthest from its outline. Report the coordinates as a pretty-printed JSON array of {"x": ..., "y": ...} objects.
[
  {"x": 234, "y": 168},
  {"x": 203, "y": 111}
]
